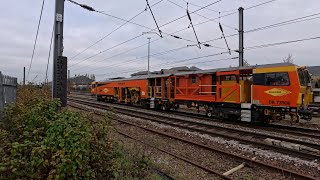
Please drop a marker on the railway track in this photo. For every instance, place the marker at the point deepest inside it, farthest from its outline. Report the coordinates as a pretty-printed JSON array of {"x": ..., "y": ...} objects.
[
  {"x": 299, "y": 148},
  {"x": 285, "y": 129},
  {"x": 293, "y": 130},
  {"x": 248, "y": 161}
]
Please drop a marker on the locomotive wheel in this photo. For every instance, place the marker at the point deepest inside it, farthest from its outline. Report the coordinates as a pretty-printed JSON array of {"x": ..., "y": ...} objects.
[{"x": 209, "y": 114}]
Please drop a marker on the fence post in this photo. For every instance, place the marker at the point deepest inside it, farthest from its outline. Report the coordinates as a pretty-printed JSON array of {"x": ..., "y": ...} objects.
[{"x": 1, "y": 93}]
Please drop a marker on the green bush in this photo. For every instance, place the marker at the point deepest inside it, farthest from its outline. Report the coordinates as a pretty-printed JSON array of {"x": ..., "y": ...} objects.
[{"x": 36, "y": 142}]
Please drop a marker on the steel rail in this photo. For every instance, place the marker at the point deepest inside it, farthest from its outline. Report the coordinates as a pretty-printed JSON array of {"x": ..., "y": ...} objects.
[
  {"x": 293, "y": 130},
  {"x": 155, "y": 147},
  {"x": 215, "y": 130},
  {"x": 285, "y": 172}
]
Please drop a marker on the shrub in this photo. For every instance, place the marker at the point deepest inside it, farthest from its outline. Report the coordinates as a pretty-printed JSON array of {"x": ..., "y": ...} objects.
[{"x": 36, "y": 142}]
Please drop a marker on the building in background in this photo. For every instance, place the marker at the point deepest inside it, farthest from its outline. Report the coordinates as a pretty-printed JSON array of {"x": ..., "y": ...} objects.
[
  {"x": 315, "y": 75},
  {"x": 81, "y": 83},
  {"x": 168, "y": 71}
]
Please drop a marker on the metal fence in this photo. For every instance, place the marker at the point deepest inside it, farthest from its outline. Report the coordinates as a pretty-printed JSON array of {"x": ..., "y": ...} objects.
[{"x": 8, "y": 90}]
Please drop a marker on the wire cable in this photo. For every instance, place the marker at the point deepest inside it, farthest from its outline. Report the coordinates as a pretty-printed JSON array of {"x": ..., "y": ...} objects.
[
  {"x": 291, "y": 21},
  {"x": 225, "y": 39},
  {"x": 194, "y": 31},
  {"x": 136, "y": 59},
  {"x": 264, "y": 3},
  {"x": 233, "y": 28},
  {"x": 36, "y": 39},
  {"x": 149, "y": 31},
  {"x": 281, "y": 43},
  {"x": 119, "y": 27},
  {"x": 148, "y": 5},
  {"x": 46, "y": 78},
  {"x": 121, "y": 53},
  {"x": 185, "y": 60},
  {"x": 283, "y": 23},
  {"x": 168, "y": 64},
  {"x": 206, "y": 22},
  {"x": 147, "y": 44},
  {"x": 209, "y": 8}
]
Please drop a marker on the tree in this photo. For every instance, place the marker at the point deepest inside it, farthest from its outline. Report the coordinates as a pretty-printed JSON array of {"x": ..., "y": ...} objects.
[{"x": 288, "y": 59}]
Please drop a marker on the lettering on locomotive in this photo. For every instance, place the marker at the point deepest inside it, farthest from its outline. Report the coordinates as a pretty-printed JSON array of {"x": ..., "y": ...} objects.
[
  {"x": 277, "y": 92},
  {"x": 282, "y": 103}
]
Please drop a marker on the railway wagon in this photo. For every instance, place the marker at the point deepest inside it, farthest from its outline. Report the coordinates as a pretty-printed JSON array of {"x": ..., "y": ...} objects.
[
  {"x": 256, "y": 93},
  {"x": 129, "y": 91}
]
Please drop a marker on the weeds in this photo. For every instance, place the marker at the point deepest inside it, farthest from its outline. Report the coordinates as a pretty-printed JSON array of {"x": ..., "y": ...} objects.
[{"x": 36, "y": 142}]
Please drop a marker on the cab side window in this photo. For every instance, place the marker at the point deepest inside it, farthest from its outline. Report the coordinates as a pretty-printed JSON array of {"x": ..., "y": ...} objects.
[
  {"x": 272, "y": 79},
  {"x": 282, "y": 79},
  {"x": 194, "y": 79}
]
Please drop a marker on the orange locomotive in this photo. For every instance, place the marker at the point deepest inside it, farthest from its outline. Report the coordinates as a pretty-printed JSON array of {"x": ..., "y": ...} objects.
[{"x": 254, "y": 94}]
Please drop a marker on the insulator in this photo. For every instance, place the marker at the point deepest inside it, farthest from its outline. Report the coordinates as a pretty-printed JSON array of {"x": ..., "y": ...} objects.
[{"x": 87, "y": 7}]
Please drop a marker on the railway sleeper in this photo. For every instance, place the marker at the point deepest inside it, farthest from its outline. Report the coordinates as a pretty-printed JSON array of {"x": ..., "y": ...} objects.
[{"x": 289, "y": 145}]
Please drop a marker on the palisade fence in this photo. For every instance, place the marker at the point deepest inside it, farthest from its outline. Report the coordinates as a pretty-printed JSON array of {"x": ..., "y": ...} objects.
[{"x": 8, "y": 90}]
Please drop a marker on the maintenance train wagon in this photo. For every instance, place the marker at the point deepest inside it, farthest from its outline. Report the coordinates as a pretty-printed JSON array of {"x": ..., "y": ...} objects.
[{"x": 260, "y": 93}]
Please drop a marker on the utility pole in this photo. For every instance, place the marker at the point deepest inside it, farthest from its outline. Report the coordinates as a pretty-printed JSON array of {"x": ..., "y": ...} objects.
[
  {"x": 149, "y": 55},
  {"x": 24, "y": 75},
  {"x": 59, "y": 82},
  {"x": 240, "y": 36}
]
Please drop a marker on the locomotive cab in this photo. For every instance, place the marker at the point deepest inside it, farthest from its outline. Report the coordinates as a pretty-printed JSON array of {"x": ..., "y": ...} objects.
[{"x": 282, "y": 90}]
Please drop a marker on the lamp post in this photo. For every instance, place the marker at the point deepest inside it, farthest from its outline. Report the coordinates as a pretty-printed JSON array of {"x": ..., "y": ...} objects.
[{"x": 149, "y": 38}]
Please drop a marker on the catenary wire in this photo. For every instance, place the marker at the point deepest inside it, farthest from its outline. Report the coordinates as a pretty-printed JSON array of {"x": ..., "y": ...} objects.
[
  {"x": 189, "y": 59},
  {"x": 281, "y": 43},
  {"x": 49, "y": 55},
  {"x": 36, "y": 39},
  {"x": 257, "y": 5},
  {"x": 143, "y": 26},
  {"x": 155, "y": 21},
  {"x": 248, "y": 48},
  {"x": 119, "y": 27},
  {"x": 191, "y": 24},
  {"x": 135, "y": 59},
  {"x": 233, "y": 28},
  {"x": 195, "y": 25},
  {"x": 295, "y": 20},
  {"x": 203, "y": 23},
  {"x": 283, "y": 23},
  {"x": 210, "y": 8},
  {"x": 160, "y": 38},
  {"x": 166, "y": 65}
]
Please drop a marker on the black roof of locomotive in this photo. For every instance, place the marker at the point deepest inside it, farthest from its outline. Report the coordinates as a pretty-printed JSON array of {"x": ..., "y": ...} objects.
[{"x": 208, "y": 71}]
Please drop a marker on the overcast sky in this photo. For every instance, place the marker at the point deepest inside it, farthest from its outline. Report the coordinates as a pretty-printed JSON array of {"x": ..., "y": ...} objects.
[{"x": 83, "y": 28}]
